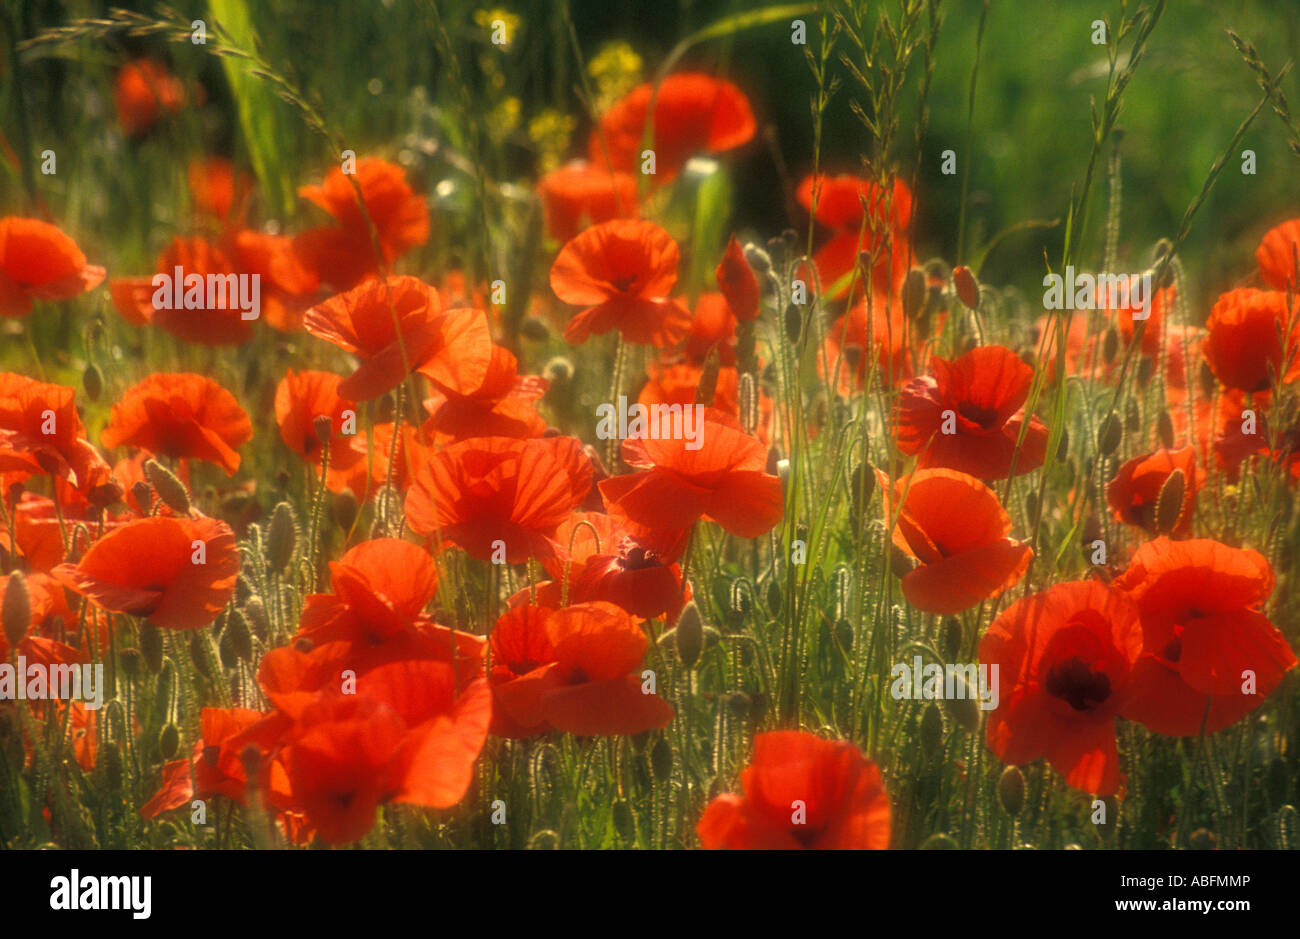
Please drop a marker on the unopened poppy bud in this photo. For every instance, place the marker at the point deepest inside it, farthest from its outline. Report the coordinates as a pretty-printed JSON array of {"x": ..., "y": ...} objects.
[
  {"x": 142, "y": 495},
  {"x": 1207, "y": 380},
  {"x": 1203, "y": 840},
  {"x": 690, "y": 635},
  {"x": 343, "y": 508},
  {"x": 900, "y": 562},
  {"x": 940, "y": 842},
  {"x": 661, "y": 760},
  {"x": 1110, "y": 345},
  {"x": 968, "y": 288},
  {"x": 92, "y": 379},
  {"x": 1109, "y": 436},
  {"x": 17, "y": 609},
  {"x": 324, "y": 427},
  {"x": 624, "y": 822},
  {"x": 169, "y": 741},
  {"x": 558, "y": 370},
  {"x": 863, "y": 483},
  {"x": 534, "y": 329},
  {"x": 108, "y": 766},
  {"x": 748, "y": 403},
  {"x": 844, "y": 635},
  {"x": 913, "y": 293},
  {"x": 241, "y": 636},
  {"x": 962, "y": 707},
  {"x": 1031, "y": 503},
  {"x": 931, "y": 729},
  {"x": 258, "y": 619},
  {"x": 132, "y": 663},
  {"x": 1145, "y": 369},
  {"x": 1011, "y": 790},
  {"x": 199, "y": 654},
  {"x": 1165, "y": 429},
  {"x": 282, "y": 539},
  {"x": 1132, "y": 416},
  {"x": 1169, "y": 504},
  {"x": 758, "y": 259},
  {"x": 793, "y": 323},
  {"x": 708, "y": 385},
  {"x": 169, "y": 488},
  {"x": 772, "y": 594},
  {"x": 151, "y": 647},
  {"x": 738, "y": 704},
  {"x": 951, "y": 636}
]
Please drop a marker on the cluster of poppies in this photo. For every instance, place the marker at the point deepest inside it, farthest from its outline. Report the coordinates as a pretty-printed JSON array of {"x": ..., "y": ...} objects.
[{"x": 374, "y": 700}]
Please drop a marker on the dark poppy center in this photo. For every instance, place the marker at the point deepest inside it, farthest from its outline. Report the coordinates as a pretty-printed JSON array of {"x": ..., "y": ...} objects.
[
  {"x": 978, "y": 414},
  {"x": 624, "y": 284},
  {"x": 1075, "y": 682},
  {"x": 804, "y": 835},
  {"x": 637, "y": 558},
  {"x": 578, "y": 677}
]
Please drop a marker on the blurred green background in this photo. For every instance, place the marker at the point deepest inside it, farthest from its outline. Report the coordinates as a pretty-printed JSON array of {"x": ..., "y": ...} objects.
[{"x": 375, "y": 70}]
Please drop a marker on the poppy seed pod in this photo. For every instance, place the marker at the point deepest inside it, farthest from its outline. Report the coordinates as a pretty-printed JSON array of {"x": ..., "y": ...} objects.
[
  {"x": 132, "y": 663},
  {"x": 169, "y": 488},
  {"x": 17, "y": 609},
  {"x": 282, "y": 539},
  {"x": 1011, "y": 790}
]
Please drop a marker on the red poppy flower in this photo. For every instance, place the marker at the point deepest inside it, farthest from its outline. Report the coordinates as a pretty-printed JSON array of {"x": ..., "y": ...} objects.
[
  {"x": 503, "y": 406},
  {"x": 182, "y": 416},
  {"x": 41, "y": 433},
  {"x": 1276, "y": 254},
  {"x": 842, "y": 205},
  {"x": 452, "y": 348},
  {"x": 801, "y": 791},
  {"x": 1135, "y": 490},
  {"x": 303, "y": 397},
  {"x": 143, "y": 91},
  {"x": 178, "y": 573},
  {"x": 724, "y": 480},
  {"x": 603, "y": 560},
  {"x": 406, "y": 736},
  {"x": 845, "y": 356},
  {"x": 967, "y": 414},
  {"x": 220, "y": 325},
  {"x": 954, "y": 526},
  {"x": 39, "y": 262},
  {"x": 593, "y": 686},
  {"x": 381, "y": 588},
  {"x": 579, "y": 194},
  {"x": 1205, "y": 640},
  {"x": 1161, "y": 303},
  {"x": 344, "y": 254},
  {"x": 693, "y": 113},
  {"x": 217, "y": 189},
  {"x": 737, "y": 282},
  {"x": 1064, "y": 659},
  {"x": 489, "y": 489},
  {"x": 519, "y": 645},
  {"x": 713, "y": 326},
  {"x": 287, "y": 283},
  {"x": 622, "y": 272},
  {"x": 48, "y": 601},
  {"x": 1243, "y": 342},
  {"x": 218, "y": 766}
]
